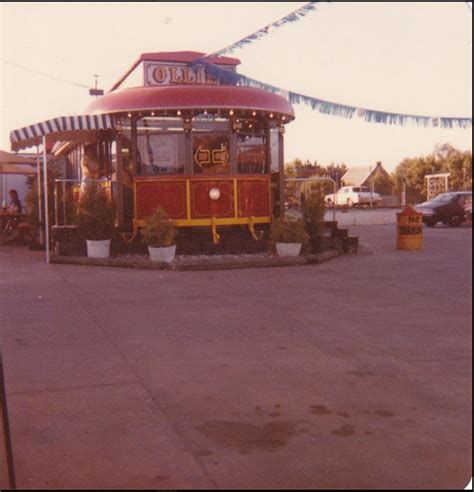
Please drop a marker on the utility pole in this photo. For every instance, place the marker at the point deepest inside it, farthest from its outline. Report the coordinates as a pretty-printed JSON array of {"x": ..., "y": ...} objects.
[{"x": 371, "y": 188}]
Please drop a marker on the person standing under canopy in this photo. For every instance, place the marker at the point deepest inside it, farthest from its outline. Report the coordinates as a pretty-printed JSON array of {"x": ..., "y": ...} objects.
[{"x": 89, "y": 167}]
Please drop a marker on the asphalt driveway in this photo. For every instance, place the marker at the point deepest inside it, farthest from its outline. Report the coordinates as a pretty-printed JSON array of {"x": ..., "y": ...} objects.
[{"x": 351, "y": 374}]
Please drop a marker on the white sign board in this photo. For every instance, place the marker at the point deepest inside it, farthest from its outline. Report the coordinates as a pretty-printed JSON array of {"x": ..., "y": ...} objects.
[
  {"x": 159, "y": 150},
  {"x": 157, "y": 73}
]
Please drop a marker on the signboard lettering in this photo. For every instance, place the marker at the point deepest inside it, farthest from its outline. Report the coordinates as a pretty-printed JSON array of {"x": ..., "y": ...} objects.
[
  {"x": 411, "y": 230},
  {"x": 157, "y": 73}
]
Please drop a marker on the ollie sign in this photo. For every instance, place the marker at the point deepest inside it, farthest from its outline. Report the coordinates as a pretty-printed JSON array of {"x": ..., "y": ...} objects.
[{"x": 156, "y": 73}]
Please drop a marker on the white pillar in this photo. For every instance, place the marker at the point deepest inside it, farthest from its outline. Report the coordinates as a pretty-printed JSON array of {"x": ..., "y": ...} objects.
[
  {"x": 45, "y": 194},
  {"x": 40, "y": 205}
]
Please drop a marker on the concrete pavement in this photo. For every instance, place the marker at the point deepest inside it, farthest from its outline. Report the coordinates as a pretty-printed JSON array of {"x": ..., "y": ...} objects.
[{"x": 351, "y": 374}]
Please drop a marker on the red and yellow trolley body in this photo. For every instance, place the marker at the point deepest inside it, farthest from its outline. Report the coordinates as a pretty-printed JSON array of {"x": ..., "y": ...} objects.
[
  {"x": 187, "y": 200},
  {"x": 207, "y": 153}
]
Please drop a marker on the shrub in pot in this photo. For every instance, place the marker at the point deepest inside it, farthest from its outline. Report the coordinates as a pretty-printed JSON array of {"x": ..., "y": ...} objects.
[
  {"x": 314, "y": 210},
  {"x": 95, "y": 220},
  {"x": 288, "y": 236},
  {"x": 159, "y": 234}
]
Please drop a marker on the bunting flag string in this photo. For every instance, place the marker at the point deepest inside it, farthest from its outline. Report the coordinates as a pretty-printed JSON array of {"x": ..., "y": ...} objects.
[
  {"x": 332, "y": 108},
  {"x": 294, "y": 16}
]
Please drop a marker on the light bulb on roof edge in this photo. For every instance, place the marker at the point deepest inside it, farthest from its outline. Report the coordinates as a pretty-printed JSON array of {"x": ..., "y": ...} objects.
[
  {"x": 178, "y": 112},
  {"x": 231, "y": 112}
]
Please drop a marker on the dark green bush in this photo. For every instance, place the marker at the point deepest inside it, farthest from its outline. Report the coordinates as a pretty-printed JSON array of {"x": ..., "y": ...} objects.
[
  {"x": 288, "y": 231},
  {"x": 159, "y": 230},
  {"x": 313, "y": 204},
  {"x": 95, "y": 216}
]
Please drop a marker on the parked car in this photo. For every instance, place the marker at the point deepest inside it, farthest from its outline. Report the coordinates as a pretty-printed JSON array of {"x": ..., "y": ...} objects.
[
  {"x": 452, "y": 208},
  {"x": 351, "y": 196}
]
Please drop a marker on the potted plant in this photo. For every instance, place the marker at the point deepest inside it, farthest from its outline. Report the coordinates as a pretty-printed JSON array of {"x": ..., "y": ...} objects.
[
  {"x": 288, "y": 236},
  {"x": 314, "y": 209},
  {"x": 95, "y": 220},
  {"x": 320, "y": 232},
  {"x": 159, "y": 234}
]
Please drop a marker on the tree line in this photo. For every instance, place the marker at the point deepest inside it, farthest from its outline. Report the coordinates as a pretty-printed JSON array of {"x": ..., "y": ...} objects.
[{"x": 409, "y": 175}]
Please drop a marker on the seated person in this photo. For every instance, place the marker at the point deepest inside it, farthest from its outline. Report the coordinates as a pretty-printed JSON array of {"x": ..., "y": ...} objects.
[
  {"x": 16, "y": 229},
  {"x": 14, "y": 205}
]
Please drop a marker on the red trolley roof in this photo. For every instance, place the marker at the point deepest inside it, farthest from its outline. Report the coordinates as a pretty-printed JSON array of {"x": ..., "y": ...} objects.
[
  {"x": 188, "y": 57},
  {"x": 195, "y": 97}
]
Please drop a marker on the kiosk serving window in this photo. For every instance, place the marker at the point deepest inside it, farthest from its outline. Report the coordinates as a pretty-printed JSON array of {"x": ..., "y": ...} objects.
[
  {"x": 251, "y": 154},
  {"x": 211, "y": 145},
  {"x": 252, "y": 148},
  {"x": 160, "y": 145}
]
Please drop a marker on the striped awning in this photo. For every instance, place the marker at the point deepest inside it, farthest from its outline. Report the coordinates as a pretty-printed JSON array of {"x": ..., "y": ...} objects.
[{"x": 61, "y": 128}]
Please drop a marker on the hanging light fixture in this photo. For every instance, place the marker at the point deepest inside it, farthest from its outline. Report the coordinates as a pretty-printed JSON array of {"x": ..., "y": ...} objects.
[{"x": 187, "y": 125}]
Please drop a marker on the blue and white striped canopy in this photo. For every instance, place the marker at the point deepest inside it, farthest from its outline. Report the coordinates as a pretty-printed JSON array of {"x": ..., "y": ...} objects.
[{"x": 63, "y": 127}]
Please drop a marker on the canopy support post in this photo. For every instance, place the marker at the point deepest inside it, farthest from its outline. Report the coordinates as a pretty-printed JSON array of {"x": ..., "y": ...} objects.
[
  {"x": 40, "y": 205},
  {"x": 45, "y": 189},
  {"x": 119, "y": 181},
  {"x": 281, "y": 175}
]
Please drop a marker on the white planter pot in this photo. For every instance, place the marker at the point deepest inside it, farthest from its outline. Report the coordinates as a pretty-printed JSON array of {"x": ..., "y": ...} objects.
[
  {"x": 288, "y": 249},
  {"x": 162, "y": 255},
  {"x": 98, "y": 249}
]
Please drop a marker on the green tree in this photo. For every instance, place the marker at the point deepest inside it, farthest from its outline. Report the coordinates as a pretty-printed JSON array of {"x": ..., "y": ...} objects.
[
  {"x": 383, "y": 184},
  {"x": 444, "y": 159},
  {"x": 458, "y": 163},
  {"x": 336, "y": 172}
]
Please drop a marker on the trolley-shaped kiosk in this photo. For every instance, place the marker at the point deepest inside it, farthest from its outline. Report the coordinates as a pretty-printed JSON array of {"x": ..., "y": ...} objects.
[{"x": 209, "y": 154}]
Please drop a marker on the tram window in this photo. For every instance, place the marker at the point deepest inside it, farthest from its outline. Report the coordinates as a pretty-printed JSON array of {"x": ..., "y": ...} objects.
[
  {"x": 160, "y": 153},
  {"x": 251, "y": 154},
  {"x": 211, "y": 154},
  {"x": 210, "y": 124},
  {"x": 274, "y": 150},
  {"x": 160, "y": 145}
]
